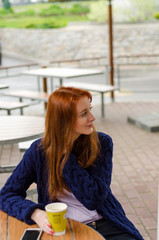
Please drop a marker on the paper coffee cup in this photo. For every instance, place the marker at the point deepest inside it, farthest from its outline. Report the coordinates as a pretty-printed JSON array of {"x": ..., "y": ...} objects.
[{"x": 56, "y": 213}]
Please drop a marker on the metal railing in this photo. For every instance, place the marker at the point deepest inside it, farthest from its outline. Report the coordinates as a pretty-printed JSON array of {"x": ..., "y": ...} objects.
[
  {"x": 5, "y": 71},
  {"x": 121, "y": 63},
  {"x": 135, "y": 62}
]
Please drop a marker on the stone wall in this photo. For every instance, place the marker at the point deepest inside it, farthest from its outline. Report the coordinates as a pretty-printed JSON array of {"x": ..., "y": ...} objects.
[{"x": 79, "y": 41}]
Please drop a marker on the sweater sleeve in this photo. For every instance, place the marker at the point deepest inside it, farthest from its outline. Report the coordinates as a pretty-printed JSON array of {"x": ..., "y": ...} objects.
[
  {"x": 13, "y": 194},
  {"x": 90, "y": 186}
]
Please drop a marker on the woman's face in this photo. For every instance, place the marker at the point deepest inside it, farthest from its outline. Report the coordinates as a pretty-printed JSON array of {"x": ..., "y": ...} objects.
[{"x": 85, "y": 119}]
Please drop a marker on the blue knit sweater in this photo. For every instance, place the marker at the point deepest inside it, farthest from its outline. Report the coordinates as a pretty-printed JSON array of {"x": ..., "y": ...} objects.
[{"x": 91, "y": 186}]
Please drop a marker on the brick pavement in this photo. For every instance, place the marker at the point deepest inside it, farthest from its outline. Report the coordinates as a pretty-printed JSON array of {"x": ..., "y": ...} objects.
[
  {"x": 135, "y": 162},
  {"x": 136, "y": 155}
]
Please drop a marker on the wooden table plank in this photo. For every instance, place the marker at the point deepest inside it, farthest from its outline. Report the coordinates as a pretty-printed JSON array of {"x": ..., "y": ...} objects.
[
  {"x": 17, "y": 228},
  {"x": 74, "y": 230},
  {"x": 83, "y": 232},
  {"x": 3, "y": 225}
]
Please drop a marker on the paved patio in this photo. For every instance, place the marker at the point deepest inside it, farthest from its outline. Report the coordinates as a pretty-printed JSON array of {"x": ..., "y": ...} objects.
[{"x": 136, "y": 155}]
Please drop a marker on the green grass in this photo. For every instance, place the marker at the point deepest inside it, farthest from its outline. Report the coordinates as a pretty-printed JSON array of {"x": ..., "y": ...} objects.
[
  {"x": 24, "y": 22},
  {"x": 32, "y": 22},
  {"x": 59, "y": 14},
  {"x": 44, "y": 15}
]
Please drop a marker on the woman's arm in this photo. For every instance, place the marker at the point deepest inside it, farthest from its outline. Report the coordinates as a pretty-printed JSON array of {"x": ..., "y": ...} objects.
[
  {"x": 13, "y": 194},
  {"x": 90, "y": 186}
]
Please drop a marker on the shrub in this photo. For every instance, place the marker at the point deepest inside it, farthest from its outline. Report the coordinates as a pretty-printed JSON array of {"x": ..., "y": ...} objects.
[
  {"x": 132, "y": 11},
  {"x": 47, "y": 25},
  {"x": 6, "y": 4},
  {"x": 52, "y": 10},
  {"x": 98, "y": 12},
  {"x": 62, "y": 0},
  {"x": 79, "y": 9},
  {"x": 29, "y": 12},
  {"x": 156, "y": 15},
  {"x": 140, "y": 10},
  {"x": 4, "y": 11}
]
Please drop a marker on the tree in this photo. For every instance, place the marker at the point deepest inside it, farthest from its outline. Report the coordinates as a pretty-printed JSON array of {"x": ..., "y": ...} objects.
[{"x": 6, "y": 4}]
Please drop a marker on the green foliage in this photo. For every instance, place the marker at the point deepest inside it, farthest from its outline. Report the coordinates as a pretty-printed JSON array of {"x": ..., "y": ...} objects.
[
  {"x": 133, "y": 11},
  {"x": 59, "y": 0},
  {"x": 28, "y": 12},
  {"x": 32, "y": 22},
  {"x": 79, "y": 9},
  {"x": 53, "y": 10},
  {"x": 139, "y": 10},
  {"x": 44, "y": 15},
  {"x": 4, "y": 11},
  {"x": 53, "y": 15},
  {"x": 46, "y": 25},
  {"x": 156, "y": 15},
  {"x": 6, "y": 4},
  {"x": 98, "y": 11},
  {"x": 56, "y": 10}
]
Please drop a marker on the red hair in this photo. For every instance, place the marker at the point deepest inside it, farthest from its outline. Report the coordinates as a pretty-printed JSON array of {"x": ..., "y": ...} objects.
[{"x": 57, "y": 142}]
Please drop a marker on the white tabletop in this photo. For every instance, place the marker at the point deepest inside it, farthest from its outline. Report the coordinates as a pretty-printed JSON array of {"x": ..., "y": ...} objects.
[
  {"x": 62, "y": 72},
  {"x": 14, "y": 129}
]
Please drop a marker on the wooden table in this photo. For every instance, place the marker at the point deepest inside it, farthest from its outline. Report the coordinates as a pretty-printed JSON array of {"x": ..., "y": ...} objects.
[
  {"x": 61, "y": 73},
  {"x": 12, "y": 229},
  {"x": 14, "y": 129}
]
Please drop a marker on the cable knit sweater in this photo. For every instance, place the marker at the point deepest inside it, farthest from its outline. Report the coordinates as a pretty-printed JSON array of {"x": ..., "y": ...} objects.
[{"x": 91, "y": 186}]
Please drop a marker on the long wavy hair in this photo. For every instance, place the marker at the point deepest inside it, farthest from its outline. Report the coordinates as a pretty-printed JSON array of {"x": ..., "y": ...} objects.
[{"x": 58, "y": 140}]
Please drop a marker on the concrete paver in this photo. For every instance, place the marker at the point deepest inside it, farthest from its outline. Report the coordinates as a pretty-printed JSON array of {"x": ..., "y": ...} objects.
[{"x": 135, "y": 161}]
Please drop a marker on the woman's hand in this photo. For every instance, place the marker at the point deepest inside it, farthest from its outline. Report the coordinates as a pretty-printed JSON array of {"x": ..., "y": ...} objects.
[{"x": 40, "y": 217}]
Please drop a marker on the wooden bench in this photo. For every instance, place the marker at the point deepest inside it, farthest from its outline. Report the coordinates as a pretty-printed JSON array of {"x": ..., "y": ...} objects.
[
  {"x": 10, "y": 105},
  {"x": 100, "y": 88},
  {"x": 33, "y": 95}
]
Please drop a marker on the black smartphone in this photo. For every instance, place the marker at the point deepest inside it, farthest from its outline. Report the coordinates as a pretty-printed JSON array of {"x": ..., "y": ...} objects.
[{"x": 32, "y": 234}]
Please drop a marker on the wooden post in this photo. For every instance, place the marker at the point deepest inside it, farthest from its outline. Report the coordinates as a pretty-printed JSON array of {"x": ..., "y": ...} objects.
[
  {"x": 45, "y": 87},
  {"x": 158, "y": 211},
  {"x": 110, "y": 34}
]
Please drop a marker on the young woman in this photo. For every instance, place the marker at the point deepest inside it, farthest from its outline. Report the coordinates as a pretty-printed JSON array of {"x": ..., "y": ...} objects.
[{"x": 72, "y": 163}]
